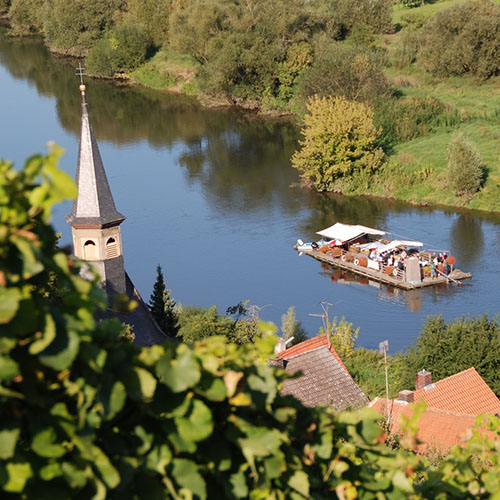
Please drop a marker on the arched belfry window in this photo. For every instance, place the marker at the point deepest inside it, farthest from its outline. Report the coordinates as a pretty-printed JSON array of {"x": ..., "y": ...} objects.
[
  {"x": 111, "y": 248},
  {"x": 89, "y": 250}
]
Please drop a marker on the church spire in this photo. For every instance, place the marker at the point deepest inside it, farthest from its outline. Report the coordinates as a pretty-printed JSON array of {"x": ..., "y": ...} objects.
[
  {"x": 94, "y": 205},
  {"x": 94, "y": 220}
]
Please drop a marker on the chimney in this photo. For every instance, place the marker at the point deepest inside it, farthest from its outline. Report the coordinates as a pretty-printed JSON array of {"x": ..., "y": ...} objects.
[
  {"x": 277, "y": 362},
  {"x": 422, "y": 379},
  {"x": 282, "y": 344},
  {"x": 406, "y": 396}
]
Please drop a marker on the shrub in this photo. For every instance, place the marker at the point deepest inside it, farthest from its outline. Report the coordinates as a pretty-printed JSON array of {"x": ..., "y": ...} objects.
[
  {"x": 25, "y": 15},
  {"x": 377, "y": 14},
  {"x": 123, "y": 49},
  {"x": 406, "y": 50},
  {"x": 404, "y": 119},
  {"x": 130, "y": 46},
  {"x": 74, "y": 27},
  {"x": 341, "y": 70},
  {"x": 339, "y": 142},
  {"x": 465, "y": 171},
  {"x": 4, "y": 6},
  {"x": 100, "y": 60},
  {"x": 463, "y": 39}
]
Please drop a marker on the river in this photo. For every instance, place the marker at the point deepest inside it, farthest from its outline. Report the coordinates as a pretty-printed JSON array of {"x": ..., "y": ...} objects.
[{"x": 207, "y": 194}]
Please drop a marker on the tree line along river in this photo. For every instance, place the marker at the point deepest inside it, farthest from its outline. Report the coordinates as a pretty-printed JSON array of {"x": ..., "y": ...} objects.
[{"x": 209, "y": 195}]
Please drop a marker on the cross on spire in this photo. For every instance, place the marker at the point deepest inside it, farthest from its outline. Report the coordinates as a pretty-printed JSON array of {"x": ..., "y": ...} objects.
[{"x": 81, "y": 74}]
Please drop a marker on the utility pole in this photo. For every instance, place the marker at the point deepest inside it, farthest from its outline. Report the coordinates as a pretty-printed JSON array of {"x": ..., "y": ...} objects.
[
  {"x": 325, "y": 316},
  {"x": 383, "y": 348}
]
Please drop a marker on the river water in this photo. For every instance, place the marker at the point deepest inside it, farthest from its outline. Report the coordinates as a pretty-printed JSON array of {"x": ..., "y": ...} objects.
[{"x": 207, "y": 194}]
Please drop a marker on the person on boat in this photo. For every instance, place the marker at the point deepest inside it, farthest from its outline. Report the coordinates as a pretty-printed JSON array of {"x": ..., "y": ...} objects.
[{"x": 433, "y": 270}]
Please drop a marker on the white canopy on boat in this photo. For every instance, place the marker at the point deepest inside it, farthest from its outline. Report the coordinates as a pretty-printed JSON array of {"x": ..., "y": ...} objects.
[
  {"x": 399, "y": 243},
  {"x": 346, "y": 232}
]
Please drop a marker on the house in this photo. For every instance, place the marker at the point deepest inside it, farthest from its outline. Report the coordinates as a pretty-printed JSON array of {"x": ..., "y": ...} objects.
[
  {"x": 453, "y": 405},
  {"x": 95, "y": 225},
  {"x": 325, "y": 379}
]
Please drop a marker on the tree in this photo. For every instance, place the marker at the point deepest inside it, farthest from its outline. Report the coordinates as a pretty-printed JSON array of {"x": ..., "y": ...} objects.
[
  {"x": 339, "y": 142},
  {"x": 198, "y": 323},
  {"x": 85, "y": 415},
  {"x": 463, "y": 38},
  {"x": 290, "y": 327},
  {"x": 340, "y": 70},
  {"x": 73, "y": 27},
  {"x": 162, "y": 307},
  {"x": 465, "y": 171},
  {"x": 447, "y": 348}
]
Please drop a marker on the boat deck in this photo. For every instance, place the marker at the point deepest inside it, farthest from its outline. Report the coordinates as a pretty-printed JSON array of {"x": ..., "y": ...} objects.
[{"x": 456, "y": 274}]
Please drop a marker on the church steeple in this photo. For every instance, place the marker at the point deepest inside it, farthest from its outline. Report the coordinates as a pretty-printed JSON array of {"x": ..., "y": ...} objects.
[
  {"x": 94, "y": 220},
  {"x": 94, "y": 206}
]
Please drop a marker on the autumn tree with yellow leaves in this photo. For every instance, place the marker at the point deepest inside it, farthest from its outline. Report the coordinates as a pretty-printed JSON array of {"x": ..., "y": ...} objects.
[{"x": 340, "y": 143}]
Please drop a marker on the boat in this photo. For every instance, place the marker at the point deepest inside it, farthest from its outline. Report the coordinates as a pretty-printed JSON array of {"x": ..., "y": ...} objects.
[{"x": 367, "y": 251}]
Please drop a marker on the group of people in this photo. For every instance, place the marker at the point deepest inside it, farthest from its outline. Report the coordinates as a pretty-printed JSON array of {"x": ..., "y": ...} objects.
[
  {"x": 437, "y": 263},
  {"x": 393, "y": 258}
]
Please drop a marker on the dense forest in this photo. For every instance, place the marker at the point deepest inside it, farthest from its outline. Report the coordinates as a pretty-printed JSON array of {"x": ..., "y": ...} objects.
[{"x": 422, "y": 71}]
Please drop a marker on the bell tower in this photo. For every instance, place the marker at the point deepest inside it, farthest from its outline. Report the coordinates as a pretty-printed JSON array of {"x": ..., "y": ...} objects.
[{"x": 94, "y": 220}]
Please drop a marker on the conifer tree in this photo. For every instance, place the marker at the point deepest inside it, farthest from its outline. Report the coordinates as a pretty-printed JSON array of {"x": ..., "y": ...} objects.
[{"x": 162, "y": 307}]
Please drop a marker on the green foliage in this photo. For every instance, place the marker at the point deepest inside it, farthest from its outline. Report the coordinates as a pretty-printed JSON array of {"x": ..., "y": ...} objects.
[
  {"x": 100, "y": 61},
  {"x": 84, "y": 415},
  {"x": 464, "y": 39},
  {"x": 291, "y": 327},
  {"x": 4, "y": 6},
  {"x": 197, "y": 323},
  {"x": 25, "y": 15},
  {"x": 347, "y": 71},
  {"x": 447, "y": 348},
  {"x": 405, "y": 52},
  {"x": 251, "y": 49},
  {"x": 342, "y": 335},
  {"x": 152, "y": 15},
  {"x": 404, "y": 119},
  {"x": 74, "y": 27},
  {"x": 377, "y": 14},
  {"x": 123, "y": 49},
  {"x": 411, "y": 3},
  {"x": 162, "y": 307},
  {"x": 339, "y": 142},
  {"x": 465, "y": 169},
  {"x": 127, "y": 334}
]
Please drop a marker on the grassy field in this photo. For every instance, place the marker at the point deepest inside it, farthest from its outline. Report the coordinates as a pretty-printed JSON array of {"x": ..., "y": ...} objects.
[
  {"x": 168, "y": 71},
  {"x": 416, "y": 170}
]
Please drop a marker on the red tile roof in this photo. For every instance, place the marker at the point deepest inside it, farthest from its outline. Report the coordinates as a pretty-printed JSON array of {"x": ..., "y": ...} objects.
[
  {"x": 309, "y": 345},
  {"x": 452, "y": 407},
  {"x": 437, "y": 429},
  {"x": 465, "y": 392}
]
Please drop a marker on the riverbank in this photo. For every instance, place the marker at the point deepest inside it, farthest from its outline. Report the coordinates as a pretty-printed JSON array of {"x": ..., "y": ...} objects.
[{"x": 415, "y": 170}]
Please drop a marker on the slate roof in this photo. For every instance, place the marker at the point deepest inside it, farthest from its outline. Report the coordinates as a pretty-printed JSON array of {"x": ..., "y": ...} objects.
[
  {"x": 453, "y": 405},
  {"x": 94, "y": 205},
  {"x": 325, "y": 380},
  {"x": 147, "y": 332}
]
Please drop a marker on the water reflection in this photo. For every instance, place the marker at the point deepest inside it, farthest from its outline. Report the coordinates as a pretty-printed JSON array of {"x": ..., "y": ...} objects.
[
  {"x": 412, "y": 298},
  {"x": 244, "y": 163},
  {"x": 467, "y": 238},
  {"x": 241, "y": 161}
]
